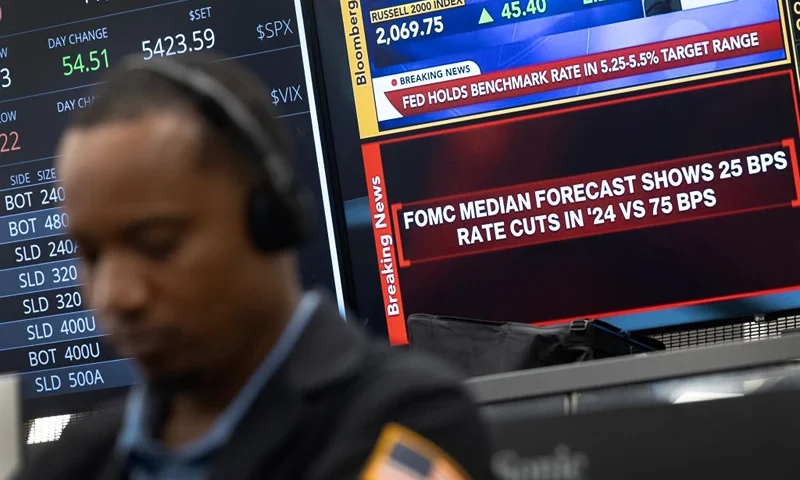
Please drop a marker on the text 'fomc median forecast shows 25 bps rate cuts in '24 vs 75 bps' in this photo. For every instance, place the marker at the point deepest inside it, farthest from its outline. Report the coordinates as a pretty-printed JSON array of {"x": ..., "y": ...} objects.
[
  {"x": 587, "y": 126},
  {"x": 51, "y": 54}
]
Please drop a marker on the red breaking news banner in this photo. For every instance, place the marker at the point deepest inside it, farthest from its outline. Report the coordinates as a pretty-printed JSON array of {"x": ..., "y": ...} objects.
[
  {"x": 681, "y": 52},
  {"x": 384, "y": 245},
  {"x": 641, "y": 196}
]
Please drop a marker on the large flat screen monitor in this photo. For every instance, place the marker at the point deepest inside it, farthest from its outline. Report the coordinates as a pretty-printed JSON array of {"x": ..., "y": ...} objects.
[
  {"x": 541, "y": 161},
  {"x": 51, "y": 53}
]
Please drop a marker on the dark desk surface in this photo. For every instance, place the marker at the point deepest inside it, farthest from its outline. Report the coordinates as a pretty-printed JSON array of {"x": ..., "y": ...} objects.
[{"x": 751, "y": 437}]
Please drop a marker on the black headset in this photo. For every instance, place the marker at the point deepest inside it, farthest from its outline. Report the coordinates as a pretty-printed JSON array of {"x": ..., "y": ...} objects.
[{"x": 277, "y": 207}]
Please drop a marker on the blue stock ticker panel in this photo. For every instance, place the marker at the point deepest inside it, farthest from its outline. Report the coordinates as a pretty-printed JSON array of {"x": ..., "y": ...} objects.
[{"x": 51, "y": 53}]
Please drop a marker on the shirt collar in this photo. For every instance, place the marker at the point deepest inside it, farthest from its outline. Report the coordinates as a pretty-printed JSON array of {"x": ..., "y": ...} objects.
[{"x": 141, "y": 406}]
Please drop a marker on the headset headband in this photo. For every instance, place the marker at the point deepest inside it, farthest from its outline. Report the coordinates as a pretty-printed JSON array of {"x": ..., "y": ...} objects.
[{"x": 211, "y": 89}]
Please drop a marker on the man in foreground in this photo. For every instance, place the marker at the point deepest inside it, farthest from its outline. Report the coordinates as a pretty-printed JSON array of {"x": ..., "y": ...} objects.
[{"x": 187, "y": 212}]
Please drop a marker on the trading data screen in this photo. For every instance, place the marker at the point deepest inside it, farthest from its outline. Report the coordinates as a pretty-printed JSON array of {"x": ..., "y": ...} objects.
[
  {"x": 542, "y": 161},
  {"x": 51, "y": 53}
]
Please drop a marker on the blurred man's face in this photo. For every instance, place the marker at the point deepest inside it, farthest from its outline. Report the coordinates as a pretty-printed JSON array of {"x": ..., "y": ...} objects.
[{"x": 166, "y": 258}]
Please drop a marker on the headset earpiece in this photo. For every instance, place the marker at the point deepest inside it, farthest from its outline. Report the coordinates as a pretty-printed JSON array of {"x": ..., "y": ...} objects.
[{"x": 276, "y": 223}]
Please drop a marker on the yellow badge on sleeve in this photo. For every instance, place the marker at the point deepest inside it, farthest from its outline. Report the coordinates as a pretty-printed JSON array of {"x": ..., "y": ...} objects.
[{"x": 402, "y": 454}]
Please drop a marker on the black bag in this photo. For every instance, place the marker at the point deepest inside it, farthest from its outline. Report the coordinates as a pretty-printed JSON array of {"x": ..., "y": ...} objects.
[{"x": 480, "y": 347}]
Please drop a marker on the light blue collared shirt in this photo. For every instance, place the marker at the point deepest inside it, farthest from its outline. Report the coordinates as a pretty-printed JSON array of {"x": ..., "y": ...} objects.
[{"x": 147, "y": 459}]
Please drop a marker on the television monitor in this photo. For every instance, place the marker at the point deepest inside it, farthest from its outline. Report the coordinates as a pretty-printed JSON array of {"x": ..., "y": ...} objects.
[
  {"x": 51, "y": 53},
  {"x": 540, "y": 161}
]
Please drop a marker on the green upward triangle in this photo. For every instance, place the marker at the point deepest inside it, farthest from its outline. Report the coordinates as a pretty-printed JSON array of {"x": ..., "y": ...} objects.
[{"x": 485, "y": 17}]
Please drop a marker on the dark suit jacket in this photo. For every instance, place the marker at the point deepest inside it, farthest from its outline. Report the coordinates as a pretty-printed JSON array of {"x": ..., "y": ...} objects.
[{"x": 318, "y": 418}]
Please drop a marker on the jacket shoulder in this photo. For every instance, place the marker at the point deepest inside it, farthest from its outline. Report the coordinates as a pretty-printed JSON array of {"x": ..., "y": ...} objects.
[
  {"x": 82, "y": 451},
  {"x": 397, "y": 369},
  {"x": 422, "y": 395}
]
